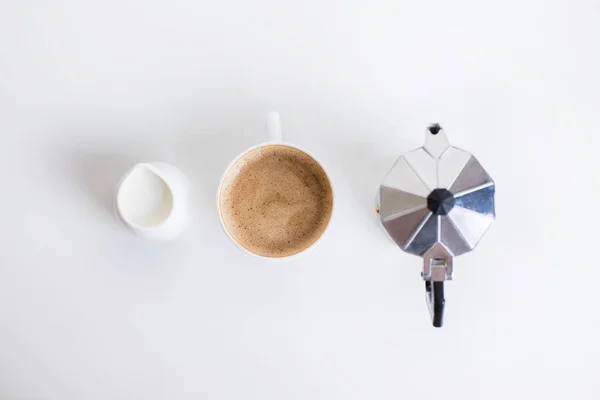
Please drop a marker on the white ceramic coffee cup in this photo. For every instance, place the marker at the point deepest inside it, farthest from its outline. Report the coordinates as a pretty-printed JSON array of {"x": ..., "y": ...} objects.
[
  {"x": 274, "y": 135},
  {"x": 152, "y": 200}
]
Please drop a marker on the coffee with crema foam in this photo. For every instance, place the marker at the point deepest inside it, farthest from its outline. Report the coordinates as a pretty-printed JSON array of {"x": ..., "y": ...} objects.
[{"x": 276, "y": 201}]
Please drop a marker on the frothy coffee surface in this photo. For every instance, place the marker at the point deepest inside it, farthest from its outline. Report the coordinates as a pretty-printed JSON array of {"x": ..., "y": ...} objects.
[{"x": 276, "y": 201}]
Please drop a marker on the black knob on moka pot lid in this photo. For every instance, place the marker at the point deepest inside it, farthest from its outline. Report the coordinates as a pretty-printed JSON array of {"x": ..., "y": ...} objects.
[{"x": 436, "y": 202}]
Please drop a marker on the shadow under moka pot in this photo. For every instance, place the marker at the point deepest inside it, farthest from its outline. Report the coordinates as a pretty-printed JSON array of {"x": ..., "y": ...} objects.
[{"x": 436, "y": 202}]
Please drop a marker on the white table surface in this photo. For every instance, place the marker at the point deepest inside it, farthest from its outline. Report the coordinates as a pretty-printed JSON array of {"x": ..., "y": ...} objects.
[{"x": 88, "y": 311}]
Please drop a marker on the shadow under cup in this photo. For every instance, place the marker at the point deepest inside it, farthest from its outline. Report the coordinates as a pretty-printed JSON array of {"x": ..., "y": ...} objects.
[{"x": 275, "y": 201}]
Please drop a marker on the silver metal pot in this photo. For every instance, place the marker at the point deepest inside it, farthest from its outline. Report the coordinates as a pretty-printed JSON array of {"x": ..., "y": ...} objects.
[{"x": 436, "y": 202}]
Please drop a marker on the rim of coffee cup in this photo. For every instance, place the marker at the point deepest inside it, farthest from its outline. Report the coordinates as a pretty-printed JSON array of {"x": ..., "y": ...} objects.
[{"x": 240, "y": 156}]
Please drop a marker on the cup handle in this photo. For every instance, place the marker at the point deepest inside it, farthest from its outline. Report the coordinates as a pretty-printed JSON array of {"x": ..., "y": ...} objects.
[
  {"x": 273, "y": 127},
  {"x": 435, "y": 302}
]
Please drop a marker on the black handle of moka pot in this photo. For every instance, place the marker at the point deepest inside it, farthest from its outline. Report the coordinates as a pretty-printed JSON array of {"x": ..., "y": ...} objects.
[{"x": 435, "y": 301}]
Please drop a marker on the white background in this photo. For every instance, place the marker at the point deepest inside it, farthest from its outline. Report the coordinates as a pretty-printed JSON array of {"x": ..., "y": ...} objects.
[{"x": 88, "y": 311}]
